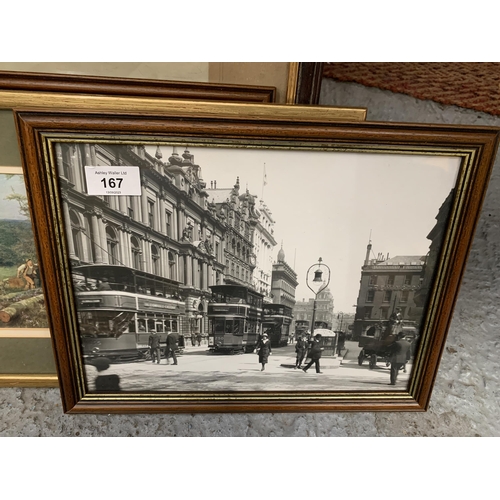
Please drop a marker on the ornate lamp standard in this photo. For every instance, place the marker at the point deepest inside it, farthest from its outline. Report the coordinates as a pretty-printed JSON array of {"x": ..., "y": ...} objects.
[{"x": 316, "y": 283}]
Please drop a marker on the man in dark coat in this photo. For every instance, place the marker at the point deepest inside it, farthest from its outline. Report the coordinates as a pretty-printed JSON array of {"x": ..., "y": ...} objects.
[
  {"x": 315, "y": 351},
  {"x": 154, "y": 346},
  {"x": 300, "y": 350},
  {"x": 400, "y": 355},
  {"x": 340, "y": 343},
  {"x": 171, "y": 347}
]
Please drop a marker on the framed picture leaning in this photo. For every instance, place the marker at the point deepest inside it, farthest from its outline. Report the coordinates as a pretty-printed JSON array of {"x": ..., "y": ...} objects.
[{"x": 191, "y": 255}]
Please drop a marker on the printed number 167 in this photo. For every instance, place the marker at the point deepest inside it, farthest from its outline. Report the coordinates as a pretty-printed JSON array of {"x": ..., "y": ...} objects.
[{"x": 112, "y": 182}]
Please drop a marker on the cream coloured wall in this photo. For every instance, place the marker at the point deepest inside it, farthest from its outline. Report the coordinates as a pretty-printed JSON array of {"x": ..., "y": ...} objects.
[{"x": 189, "y": 71}]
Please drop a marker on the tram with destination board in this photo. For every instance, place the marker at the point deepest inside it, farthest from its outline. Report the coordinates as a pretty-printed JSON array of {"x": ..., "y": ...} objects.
[
  {"x": 276, "y": 322},
  {"x": 235, "y": 319},
  {"x": 117, "y": 307}
]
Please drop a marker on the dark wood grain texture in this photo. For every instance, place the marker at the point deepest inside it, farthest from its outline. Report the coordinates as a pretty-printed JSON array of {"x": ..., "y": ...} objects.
[
  {"x": 309, "y": 79},
  {"x": 128, "y": 87},
  {"x": 477, "y": 145}
]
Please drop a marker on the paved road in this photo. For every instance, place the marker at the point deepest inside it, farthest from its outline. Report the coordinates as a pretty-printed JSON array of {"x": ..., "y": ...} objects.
[{"x": 200, "y": 370}]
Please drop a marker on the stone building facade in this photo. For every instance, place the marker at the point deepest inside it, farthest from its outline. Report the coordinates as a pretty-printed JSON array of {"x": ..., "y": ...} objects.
[
  {"x": 386, "y": 284},
  {"x": 240, "y": 218},
  {"x": 264, "y": 244},
  {"x": 171, "y": 230},
  {"x": 284, "y": 282},
  {"x": 436, "y": 237},
  {"x": 303, "y": 310}
]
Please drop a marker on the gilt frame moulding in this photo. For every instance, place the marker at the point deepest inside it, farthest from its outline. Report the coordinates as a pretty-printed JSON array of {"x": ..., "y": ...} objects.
[
  {"x": 47, "y": 91},
  {"x": 195, "y": 279}
]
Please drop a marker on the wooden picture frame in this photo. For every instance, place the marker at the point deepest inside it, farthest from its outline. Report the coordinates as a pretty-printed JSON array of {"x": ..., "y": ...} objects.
[
  {"x": 43, "y": 90},
  {"x": 14, "y": 81},
  {"x": 203, "y": 239},
  {"x": 304, "y": 82}
]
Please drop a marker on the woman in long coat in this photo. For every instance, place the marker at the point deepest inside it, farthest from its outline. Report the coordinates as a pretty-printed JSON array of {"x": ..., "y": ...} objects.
[{"x": 264, "y": 350}]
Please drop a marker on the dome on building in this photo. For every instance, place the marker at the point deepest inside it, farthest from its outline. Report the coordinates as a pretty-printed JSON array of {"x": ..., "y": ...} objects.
[{"x": 281, "y": 255}]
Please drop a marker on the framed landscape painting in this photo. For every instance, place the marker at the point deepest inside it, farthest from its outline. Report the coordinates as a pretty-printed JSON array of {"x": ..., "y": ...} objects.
[
  {"x": 21, "y": 295},
  {"x": 249, "y": 258},
  {"x": 26, "y": 356}
]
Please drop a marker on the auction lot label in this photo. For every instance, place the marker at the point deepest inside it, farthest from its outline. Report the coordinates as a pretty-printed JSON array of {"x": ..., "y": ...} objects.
[{"x": 113, "y": 181}]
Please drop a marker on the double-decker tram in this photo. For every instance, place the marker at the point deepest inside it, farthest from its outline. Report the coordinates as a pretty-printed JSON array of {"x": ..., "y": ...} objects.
[
  {"x": 276, "y": 322},
  {"x": 117, "y": 307},
  {"x": 235, "y": 319}
]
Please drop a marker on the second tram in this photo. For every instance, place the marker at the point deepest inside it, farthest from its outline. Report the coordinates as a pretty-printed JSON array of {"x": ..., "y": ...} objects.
[
  {"x": 301, "y": 328},
  {"x": 276, "y": 322},
  {"x": 235, "y": 319}
]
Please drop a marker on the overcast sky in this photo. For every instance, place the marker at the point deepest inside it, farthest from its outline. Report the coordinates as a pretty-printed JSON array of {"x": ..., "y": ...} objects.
[
  {"x": 326, "y": 204},
  {"x": 10, "y": 209}
]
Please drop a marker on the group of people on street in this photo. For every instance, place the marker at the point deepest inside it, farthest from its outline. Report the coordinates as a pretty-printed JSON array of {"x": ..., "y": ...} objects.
[
  {"x": 196, "y": 339},
  {"x": 170, "y": 348},
  {"x": 312, "y": 350},
  {"x": 400, "y": 352}
]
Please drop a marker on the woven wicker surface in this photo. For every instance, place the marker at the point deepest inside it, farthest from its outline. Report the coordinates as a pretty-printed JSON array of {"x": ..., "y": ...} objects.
[{"x": 469, "y": 85}]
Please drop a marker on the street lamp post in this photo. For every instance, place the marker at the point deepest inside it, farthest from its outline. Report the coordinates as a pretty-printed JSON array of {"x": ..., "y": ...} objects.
[{"x": 317, "y": 284}]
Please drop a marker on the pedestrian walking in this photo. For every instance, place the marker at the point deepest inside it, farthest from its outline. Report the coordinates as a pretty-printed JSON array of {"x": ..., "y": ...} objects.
[
  {"x": 315, "y": 351},
  {"x": 300, "y": 351},
  {"x": 340, "y": 343},
  {"x": 171, "y": 347},
  {"x": 263, "y": 349},
  {"x": 193, "y": 339},
  {"x": 198, "y": 339},
  {"x": 154, "y": 346},
  {"x": 400, "y": 355}
]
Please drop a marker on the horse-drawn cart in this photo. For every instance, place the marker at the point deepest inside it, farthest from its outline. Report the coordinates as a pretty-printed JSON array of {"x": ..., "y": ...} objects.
[{"x": 375, "y": 342}]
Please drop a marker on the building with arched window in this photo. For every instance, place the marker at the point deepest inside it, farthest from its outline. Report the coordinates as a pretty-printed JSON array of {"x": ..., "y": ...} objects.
[
  {"x": 171, "y": 230},
  {"x": 241, "y": 218}
]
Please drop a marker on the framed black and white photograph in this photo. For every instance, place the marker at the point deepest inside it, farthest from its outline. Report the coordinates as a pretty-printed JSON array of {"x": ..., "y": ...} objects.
[{"x": 249, "y": 257}]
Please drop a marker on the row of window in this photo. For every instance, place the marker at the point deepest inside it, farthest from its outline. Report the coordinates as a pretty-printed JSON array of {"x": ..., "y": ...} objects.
[
  {"x": 237, "y": 272},
  {"x": 380, "y": 313},
  {"x": 389, "y": 280},
  {"x": 388, "y": 295},
  {"x": 240, "y": 251}
]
